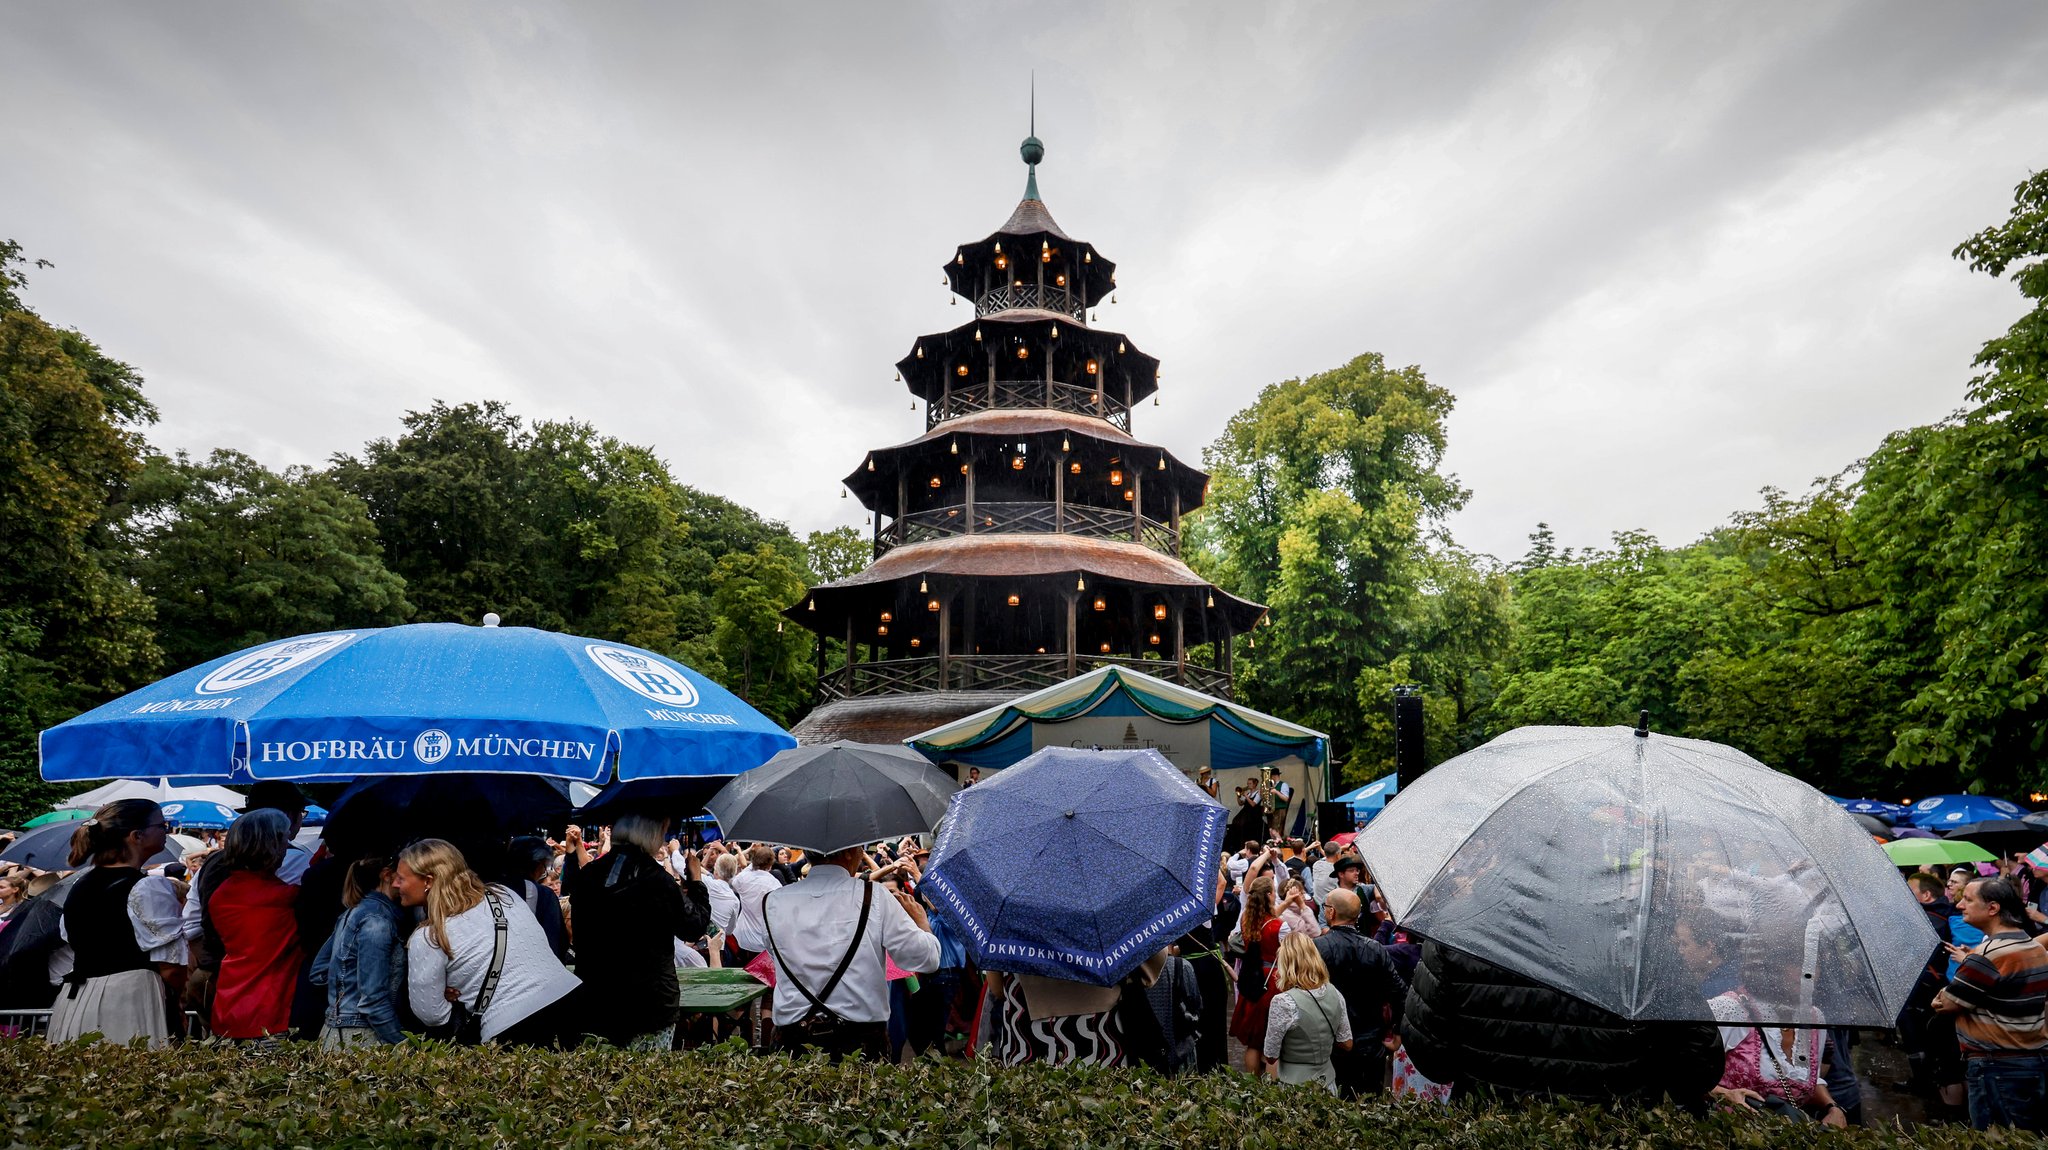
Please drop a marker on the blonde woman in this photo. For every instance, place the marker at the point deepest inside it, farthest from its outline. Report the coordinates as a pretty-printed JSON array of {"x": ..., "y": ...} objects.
[
  {"x": 1307, "y": 1019},
  {"x": 450, "y": 957}
]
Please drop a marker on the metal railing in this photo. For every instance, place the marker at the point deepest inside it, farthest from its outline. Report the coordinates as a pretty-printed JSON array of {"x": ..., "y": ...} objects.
[
  {"x": 968, "y": 397},
  {"x": 999, "y": 673},
  {"x": 1009, "y": 518}
]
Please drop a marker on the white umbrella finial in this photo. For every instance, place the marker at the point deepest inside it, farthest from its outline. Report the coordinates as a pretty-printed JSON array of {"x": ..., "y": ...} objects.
[{"x": 490, "y": 618}]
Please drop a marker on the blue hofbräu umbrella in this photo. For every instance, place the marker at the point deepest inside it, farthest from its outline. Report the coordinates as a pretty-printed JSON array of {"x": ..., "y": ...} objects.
[
  {"x": 1077, "y": 864},
  {"x": 315, "y": 816},
  {"x": 198, "y": 815},
  {"x": 1877, "y": 808},
  {"x": 421, "y": 699},
  {"x": 1939, "y": 812}
]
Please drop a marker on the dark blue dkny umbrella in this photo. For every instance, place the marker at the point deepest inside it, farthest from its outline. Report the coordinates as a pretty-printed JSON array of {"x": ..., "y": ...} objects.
[
  {"x": 198, "y": 815},
  {"x": 1942, "y": 812},
  {"x": 422, "y": 699},
  {"x": 1077, "y": 864}
]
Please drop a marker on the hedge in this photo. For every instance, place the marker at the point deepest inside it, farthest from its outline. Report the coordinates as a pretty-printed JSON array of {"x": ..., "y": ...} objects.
[{"x": 209, "y": 1095}]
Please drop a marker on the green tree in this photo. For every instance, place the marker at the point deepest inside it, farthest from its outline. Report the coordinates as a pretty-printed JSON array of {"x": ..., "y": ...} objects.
[
  {"x": 72, "y": 631},
  {"x": 766, "y": 660},
  {"x": 1952, "y": 522},
  {"x": 1323, "y": 490},
  {"x": 234, "y": 554},
  {"x": 837, "y": 553}
]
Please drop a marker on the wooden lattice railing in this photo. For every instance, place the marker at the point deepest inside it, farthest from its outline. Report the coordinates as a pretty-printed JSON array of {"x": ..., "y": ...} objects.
[
  {"x": 968, "y": 397},
  {"x": 1050, "y": 297},
  {"x": 1027, "y": 519},
  {"x": 999, "y": 673}
]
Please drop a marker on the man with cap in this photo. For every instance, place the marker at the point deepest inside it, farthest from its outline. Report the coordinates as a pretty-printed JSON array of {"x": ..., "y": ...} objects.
[{"x": 2036, "y": 861}]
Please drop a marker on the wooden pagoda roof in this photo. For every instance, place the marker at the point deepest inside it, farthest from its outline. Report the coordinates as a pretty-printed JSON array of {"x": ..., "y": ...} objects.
[
  {"x": 877, "y": 489},
  {"x": 1022, "y": 556},
  {"x": 1032, "y": 220},
  {"x": 925, "y": 375},
  {"x": 892, "y": 718}
]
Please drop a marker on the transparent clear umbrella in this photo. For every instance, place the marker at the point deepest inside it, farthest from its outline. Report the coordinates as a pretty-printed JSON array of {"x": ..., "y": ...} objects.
[{"x": 1660, "y": 878}]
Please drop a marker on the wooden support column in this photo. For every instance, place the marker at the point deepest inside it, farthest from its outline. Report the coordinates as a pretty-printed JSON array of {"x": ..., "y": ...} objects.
[
  {"x": 849, "y": 644},
  {"x": 1180, "y": 646},
  {"x": 1176, "y": 520},
  {"x": 1059, "y": 492},
  {"x": 969, "y": 509},
  {"x": 902, "y": 500},
  {"x": 945, "y": 642},
  {"x": 1073, "y": 605},
  {"x": 1137, "y": 505},
  {"x": 991, "y": 374},
  {"x": 1223, "y": 652}
]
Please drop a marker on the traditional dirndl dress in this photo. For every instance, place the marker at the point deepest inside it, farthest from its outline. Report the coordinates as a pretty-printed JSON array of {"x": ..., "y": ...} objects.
[{"x": 113, "y": 989}]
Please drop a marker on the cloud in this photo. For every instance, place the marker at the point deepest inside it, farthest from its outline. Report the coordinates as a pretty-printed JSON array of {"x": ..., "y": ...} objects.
[{"x": 1663, "y": 255}]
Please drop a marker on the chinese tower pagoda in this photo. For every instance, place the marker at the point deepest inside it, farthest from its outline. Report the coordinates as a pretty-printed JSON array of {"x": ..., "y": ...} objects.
[{"x": 1027, "y": 536}]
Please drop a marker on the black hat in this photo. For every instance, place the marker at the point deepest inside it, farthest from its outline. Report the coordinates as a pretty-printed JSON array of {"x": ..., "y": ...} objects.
[
  {"x": 276, "y": 795},
  {"x": 1349, "y": 862}
]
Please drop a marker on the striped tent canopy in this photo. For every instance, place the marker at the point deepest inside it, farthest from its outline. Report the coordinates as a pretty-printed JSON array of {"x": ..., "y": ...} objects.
[{"x": 1237, "y": 736}]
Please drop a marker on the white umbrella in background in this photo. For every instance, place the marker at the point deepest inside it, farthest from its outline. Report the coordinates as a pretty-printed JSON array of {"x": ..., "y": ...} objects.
[{"x": 160, "y": 791}]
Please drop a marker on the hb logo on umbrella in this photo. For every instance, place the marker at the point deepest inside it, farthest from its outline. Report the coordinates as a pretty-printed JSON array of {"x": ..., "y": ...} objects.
[{"x": 643, "y": 676}]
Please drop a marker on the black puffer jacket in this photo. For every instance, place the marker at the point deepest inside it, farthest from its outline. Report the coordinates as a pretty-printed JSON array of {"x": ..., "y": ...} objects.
[{"x": 1475, "y": 1024}]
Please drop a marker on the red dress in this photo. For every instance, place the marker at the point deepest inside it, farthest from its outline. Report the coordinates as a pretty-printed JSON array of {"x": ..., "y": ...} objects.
[
  {"x": 1248, "y": 1021},
  {"x": 259, "y": 966}
]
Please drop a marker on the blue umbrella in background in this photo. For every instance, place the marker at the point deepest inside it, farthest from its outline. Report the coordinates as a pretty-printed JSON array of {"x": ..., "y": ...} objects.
[
  {"x": 1077, "y": 864},
  {"x": 421, "y": 699},
  {"x": 315, "y": 816},
  {"x": 198, "y": 815},
  {"x": 1876, "y": 808},
  {"x": 1940, "y": 812}
]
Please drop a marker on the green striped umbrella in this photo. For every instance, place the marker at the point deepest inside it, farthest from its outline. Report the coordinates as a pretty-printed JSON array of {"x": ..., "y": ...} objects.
[{"x": 64, "y": 816}]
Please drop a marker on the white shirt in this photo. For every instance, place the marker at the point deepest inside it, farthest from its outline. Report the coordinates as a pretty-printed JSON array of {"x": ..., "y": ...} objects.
[
  {"x": 154, "y": 915},
  {"x": 1283, "y": 1014},
  {"x": 814, "y": 921},
  {"x": 752, "y": 885},
  {"x": 725, "y": 903},
  {"x": 531, "y": 979}
]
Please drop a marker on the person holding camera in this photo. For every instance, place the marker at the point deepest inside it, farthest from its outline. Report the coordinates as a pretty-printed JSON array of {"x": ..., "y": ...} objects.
[{"x": 830, "y": 936}]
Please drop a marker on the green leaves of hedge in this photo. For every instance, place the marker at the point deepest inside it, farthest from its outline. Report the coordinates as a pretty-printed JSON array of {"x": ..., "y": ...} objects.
[{"x": 102, "y": 1096}]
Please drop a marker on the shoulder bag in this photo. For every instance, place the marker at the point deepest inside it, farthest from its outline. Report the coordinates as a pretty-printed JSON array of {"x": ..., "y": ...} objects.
[{"x": 819, "y": 1025}]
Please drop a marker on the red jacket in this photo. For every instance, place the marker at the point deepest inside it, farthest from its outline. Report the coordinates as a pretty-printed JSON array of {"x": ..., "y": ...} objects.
[{"x": 259, "y": 967}]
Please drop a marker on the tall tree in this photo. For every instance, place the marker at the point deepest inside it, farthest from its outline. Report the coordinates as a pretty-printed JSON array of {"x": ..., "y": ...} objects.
[
  {"x": 234, "y": 554},
  {"x": 72, "y": 631},
  {"x": 1323, "y": 491}
]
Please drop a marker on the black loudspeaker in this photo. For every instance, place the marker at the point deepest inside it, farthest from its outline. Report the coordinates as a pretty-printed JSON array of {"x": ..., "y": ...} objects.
[
  {"x": 1409, "y": 760},
  {"x": 1333, "y": 819}
]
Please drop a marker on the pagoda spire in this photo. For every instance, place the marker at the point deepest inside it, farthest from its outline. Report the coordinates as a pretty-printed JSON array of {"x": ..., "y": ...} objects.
[{"x": 1032, "y": 150}]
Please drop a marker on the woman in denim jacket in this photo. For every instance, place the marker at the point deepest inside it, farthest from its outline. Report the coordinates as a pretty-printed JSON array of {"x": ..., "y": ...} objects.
[{"x": 363, "y": 963}]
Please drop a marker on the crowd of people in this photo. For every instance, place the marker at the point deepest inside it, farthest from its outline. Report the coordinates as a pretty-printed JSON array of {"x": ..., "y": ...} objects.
[{"x": 559, "y": 942}]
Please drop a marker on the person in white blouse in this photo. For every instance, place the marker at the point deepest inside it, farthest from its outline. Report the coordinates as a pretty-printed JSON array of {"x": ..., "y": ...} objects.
[
  {"x": 1306, "y": 1021},
  {"x": 725, "y": 902},
  {"x": 752, "y": 885},
  {"x": 834, "y": 922}
]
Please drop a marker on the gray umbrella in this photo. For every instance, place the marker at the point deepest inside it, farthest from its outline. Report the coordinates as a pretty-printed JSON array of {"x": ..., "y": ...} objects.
[
  {"x": 1660, "y": 878},
  {"x": 49, "y": 848},
  {"x": 830, "y": 796}
]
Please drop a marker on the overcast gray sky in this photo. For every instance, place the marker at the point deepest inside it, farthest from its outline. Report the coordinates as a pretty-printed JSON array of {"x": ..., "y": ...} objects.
[{"x": 1663, "y": 254}]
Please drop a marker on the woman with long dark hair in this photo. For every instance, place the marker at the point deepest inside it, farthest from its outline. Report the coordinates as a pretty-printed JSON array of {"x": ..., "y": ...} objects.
[
  {"x": 112, "y": 922},
  {"x": 1260, "y": 929}
]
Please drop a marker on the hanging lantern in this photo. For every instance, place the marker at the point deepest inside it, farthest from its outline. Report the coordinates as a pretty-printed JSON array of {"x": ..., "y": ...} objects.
[
  {"x": 1101, "y": 604},
  {"x": 1093, "y": 367},
  {"x": 1154, "y": 639},
  {"x": 977, "y": 335},
  {"x": 920, "y": 351},
  {"x": 1064, "y": 445},
  {"x": 1105, "y": 648},
  {"x": 1130, "y": 497},
  {"x": 1045, "y": 247},
  {"x": 935, "y": 483},
  {"x": 961, "y": 371},
  {"x": 1116, "y": 477},
  {"x": 963, "y": 469},
  {"x": 778, "y": 626},
  {"x": 1023, "y": 353},
  {"x": 1162, "y": 462},
  {"x": 921, "y": 588},
  {"x": 1087, "y": 257},
  {"x": 1014, "y": 600},
  {"x": 932, "y": 605},
  {"x": 888, "y": 618},
  {"x": 842, "y": 493},
  {"x": 1080, "y": 583},
  {"x": 999, "y": 247},
  {"x": 1212, "y": 598},
  {"x": 1119, "y": 347},
  {"x": 1060, "y": 280},
  {"x": 1041, "y": 650},
  {"x": 952, "y": 301},
  {"x": 882, "y": 630},
  {"x": 917, "y": 643},
  {"x": 988, "y": 521},
  {"x": 811, "y": 606},
  {"x": 871, "y": 463},
  {"x": 1055, "y": 331},
  {"x": 1074, "y": 468},
  {"x": 1158, "y": 612},
  {"x": 1002, "y": 262},
  {"x": 899, "y": 377},
  {"x": 960, "y": 259},
  {"x": 954, "y": 449},
  {"x": 1016, "y": 463}
]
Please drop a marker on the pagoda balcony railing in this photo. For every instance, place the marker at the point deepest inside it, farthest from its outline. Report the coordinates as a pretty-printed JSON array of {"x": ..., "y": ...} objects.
[
  {"x": 999, "y": 673},
  {"x": 968, "y": 397},
  {"x": 1028, "y": 519},
  {"x": 1048, "y": 297}
]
